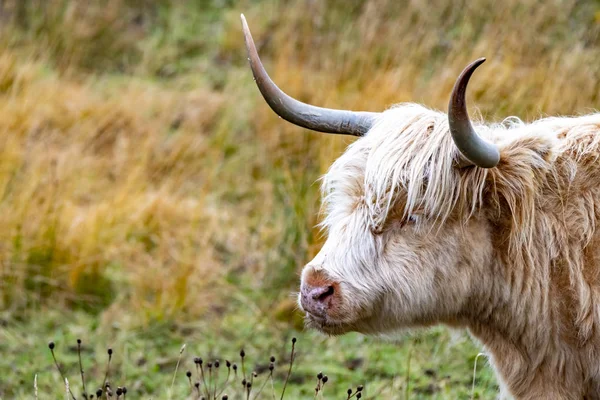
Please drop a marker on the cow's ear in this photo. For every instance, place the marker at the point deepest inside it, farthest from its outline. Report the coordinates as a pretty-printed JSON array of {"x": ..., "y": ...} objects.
[
  {"x": 521, "y": 174},
  {"x": 525, "y": 157}
]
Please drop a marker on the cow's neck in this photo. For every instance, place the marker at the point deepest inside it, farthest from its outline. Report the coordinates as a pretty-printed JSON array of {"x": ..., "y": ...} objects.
[{"x": 526, "y": 323}]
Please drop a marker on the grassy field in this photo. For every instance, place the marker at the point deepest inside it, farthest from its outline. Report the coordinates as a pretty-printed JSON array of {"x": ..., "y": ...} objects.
[{"x": 150, "y": 198}]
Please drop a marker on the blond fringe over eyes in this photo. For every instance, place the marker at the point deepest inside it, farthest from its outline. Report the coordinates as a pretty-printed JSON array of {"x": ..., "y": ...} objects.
[{"x": 408, "y": 158}]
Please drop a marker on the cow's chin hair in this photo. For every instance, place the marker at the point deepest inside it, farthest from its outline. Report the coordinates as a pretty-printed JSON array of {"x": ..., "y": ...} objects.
[
  {"x": 330, "y": 327},
  {"x": 326, "y": 327}
]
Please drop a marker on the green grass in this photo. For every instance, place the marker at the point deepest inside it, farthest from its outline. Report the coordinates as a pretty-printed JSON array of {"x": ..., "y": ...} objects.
[{"x": 434, "y": 364}]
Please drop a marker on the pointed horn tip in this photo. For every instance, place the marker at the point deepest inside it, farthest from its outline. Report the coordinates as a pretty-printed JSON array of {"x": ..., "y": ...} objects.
[
  {"x": 465, "y": 76},
  {"x": 246, "y": 31},
  {"x": 465, "y": 137},
  {"x": 476, "y": 63},
  {"x": 244, "y": 24}
]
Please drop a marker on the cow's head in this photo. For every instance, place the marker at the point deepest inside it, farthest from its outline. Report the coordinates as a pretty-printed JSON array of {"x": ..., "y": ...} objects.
[{"x": 405, "y": 236}]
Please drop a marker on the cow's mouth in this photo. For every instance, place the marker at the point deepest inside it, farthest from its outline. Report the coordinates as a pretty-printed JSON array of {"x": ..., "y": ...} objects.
[{"x": 324, "y": 325}]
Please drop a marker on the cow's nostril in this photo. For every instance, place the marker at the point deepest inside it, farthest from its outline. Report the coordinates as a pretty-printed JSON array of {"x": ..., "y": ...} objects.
[
  {"x": 322, "y": 293},
  {"x": 316, "y": 300},
  {"x": 323, "y": 296}
]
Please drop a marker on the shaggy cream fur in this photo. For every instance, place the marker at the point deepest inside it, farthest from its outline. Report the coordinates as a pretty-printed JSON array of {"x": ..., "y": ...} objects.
[{"x": 511, "y": 253}]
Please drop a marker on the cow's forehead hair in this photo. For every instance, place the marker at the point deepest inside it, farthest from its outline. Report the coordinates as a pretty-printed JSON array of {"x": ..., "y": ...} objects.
[{"x": 408, "y": 155}]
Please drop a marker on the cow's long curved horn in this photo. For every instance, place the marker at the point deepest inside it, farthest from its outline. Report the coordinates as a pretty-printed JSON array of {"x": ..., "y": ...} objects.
[
  {"x": 476, "y": 150},
  {"x": 302, "y": 114}
]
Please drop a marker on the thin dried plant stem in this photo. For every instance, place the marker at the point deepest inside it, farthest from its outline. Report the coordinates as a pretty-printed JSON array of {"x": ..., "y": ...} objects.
[
  {"x": 35, "y": 387},
  {"x": 317, "y": 388},
  {"x": 106, "y": 374},
  {"x": 216, "y": 383},
  {"x": 61, "y": 373},
  {"x": 474, "y": 374},
  {"x": 210, "y": 381},
  {"x": 272, "y": 386},
  {"x": 355, "y": 394},
  {"x": 243, "y": 368},
  {"x": 263, "y": 385},
  {"x": 224, "y": 384},
  {"x": 204, "y": 382},
  {"x": 321, "y": 395},
  {"x": 176, "y": 368},
  {"x": 68, "y": 391},
  {"x": 81, "y": 368},
  {"x": 191, "y": 385},
  {"x": 287, "y": 378}
]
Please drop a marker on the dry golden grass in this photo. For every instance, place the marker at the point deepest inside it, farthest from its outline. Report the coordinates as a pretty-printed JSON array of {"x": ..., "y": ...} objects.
[
  {"x": 97, "y": 187},
  {"x": 142, "y": 174}
]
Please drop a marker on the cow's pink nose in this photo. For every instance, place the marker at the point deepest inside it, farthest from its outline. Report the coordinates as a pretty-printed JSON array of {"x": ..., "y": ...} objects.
[{"x": 316, "y": 299}]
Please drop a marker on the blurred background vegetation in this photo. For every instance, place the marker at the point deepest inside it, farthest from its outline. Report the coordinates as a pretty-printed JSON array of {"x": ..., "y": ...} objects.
[{"x": 149, "y": 197}]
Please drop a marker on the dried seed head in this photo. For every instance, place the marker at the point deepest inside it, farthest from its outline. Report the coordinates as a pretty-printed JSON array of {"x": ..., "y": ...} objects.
[
  {"x": 99, "y": 393},
  {"x": 209, "y": 365},
  {"x": 124, "y": 389},
  {"x": 228, "y": 363},
  {"x": 78, "y": 341},
  {"x": 197, "y": 385},
  {"x": 188, "y": 374},
  {"x": 217, "y": 364},
  {"x": 225, "y": 397},
  {"x": 197, "y": 360},
  {"x": 359, "y": 388},
  {"x": 294, "y": 340},
  {"x": 272, "y": 359},
  {"x": 349, "y": 391},
  {"x": 320, "y": 376},
  {"x": 119, "y": 391},
  {"x": 358, "y": 395},
  {"x": 271, "y": 367},
  {"x": 235, "y": 367},
  {"x": 242, "y": 353},
  {"x": 110, "y": 351},
  {"x": 51, "y": 345},
  {"x": 325, "y": 379}
]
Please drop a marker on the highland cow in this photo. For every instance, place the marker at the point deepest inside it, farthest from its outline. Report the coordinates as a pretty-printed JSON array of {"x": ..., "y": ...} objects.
[{"x": 434, "y": 220}]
